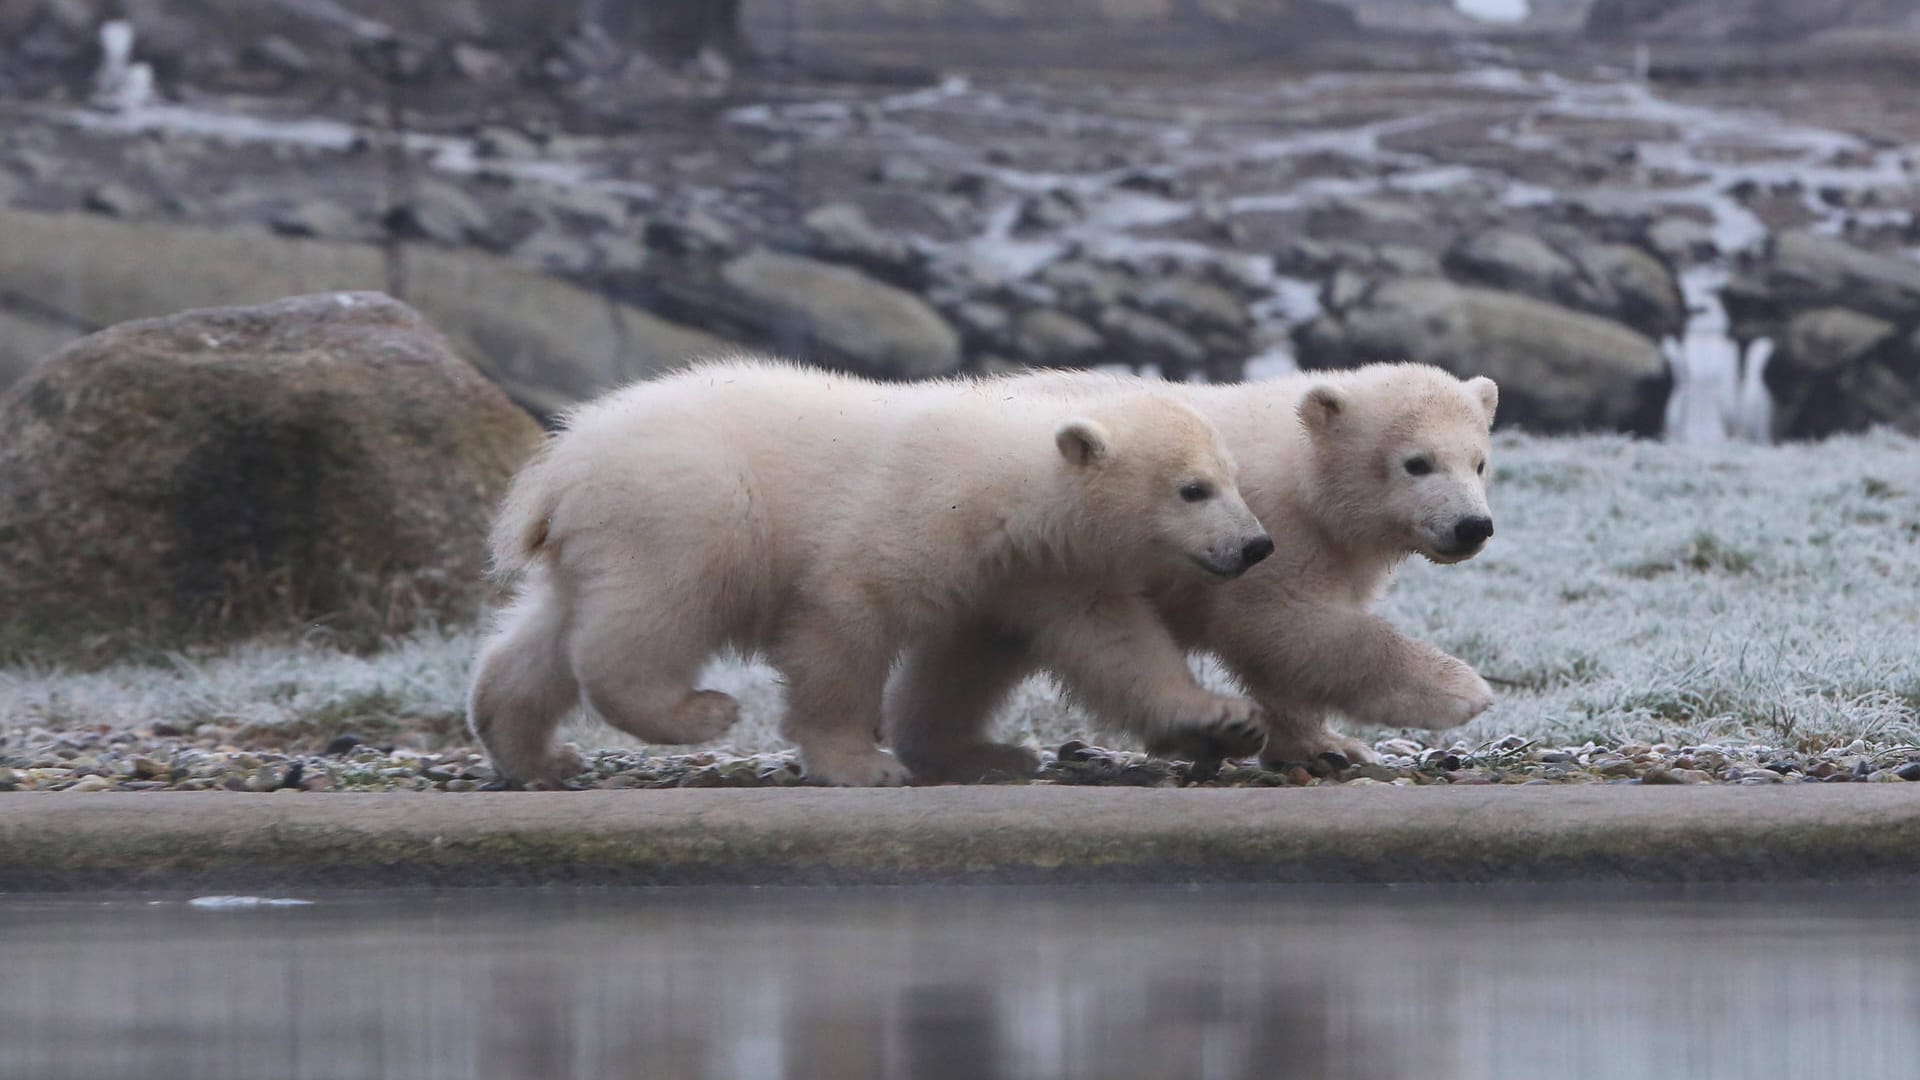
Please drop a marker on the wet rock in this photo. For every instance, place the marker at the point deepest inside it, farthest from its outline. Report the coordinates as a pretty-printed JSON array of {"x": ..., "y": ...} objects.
[
  {"x": 693, "y": 232},
  {"x": 315, "y": 457},
  {"x": 117, "y": 200},
  {"x": 1838, "y": 370},
  {"x": 1195, "y": 305},
  {"x": 828, "y": 314},
  {"x": 316, "y": 218},
  {"x": 1799, "y": 271},
  {"x": 440, "y": 212},
  {"x": 505, "y": 142},
  {"x": 1136, "y": 339},
  {"x": 1558, "y": 370},
  {"x": 1617, "y": 281},
  {"x": 1047, "y": 212},
  {"x": 1051, "y": 338},
  {"x": 1683, "y": 241},
  {"x": 276, "y": 52},
  {"x": 902, "y": 170},
  {"x": 841, "y": 233},
  {"x": 1909, "y": 771}
]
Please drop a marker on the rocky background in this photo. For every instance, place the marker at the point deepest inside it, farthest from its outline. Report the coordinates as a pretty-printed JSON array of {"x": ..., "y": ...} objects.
[{"x": 1690, "y": 219}]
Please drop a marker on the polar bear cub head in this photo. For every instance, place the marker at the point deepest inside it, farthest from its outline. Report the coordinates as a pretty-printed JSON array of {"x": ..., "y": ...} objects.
[
  {"x": 1401, "y": 454},
  {"x": 1154, "y": 477}
]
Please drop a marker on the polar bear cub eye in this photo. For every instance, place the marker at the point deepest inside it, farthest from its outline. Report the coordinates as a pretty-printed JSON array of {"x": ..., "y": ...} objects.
[
  {"x": 1418, "y": 465},
  {"x": 1196, "y": 491}
]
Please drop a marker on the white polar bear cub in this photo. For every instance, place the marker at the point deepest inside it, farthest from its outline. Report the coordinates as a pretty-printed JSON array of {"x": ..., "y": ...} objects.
[{"x": 827, "y": 521}]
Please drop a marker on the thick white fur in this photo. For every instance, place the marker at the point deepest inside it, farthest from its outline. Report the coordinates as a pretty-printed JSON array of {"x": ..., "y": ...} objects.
[
  {"x": 828, "y": 521},
  {"x": 1322, "y": 463}
]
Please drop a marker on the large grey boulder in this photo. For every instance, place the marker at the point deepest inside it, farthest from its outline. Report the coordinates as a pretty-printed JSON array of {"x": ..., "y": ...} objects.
[
  {"x": 814, "y": 311},
  {"x": 548, "y": 342},
  {"x": 1835, "y": 370},
  {"x": 321, "y": 459},
  {"x": 1618, "y": 281},
  {"x": 1799, "y": 271},
  {"x": 1558, "y": 370}
]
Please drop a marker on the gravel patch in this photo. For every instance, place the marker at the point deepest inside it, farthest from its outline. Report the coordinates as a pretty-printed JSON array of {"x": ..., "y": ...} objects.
[{"x": 142, "y": 761}]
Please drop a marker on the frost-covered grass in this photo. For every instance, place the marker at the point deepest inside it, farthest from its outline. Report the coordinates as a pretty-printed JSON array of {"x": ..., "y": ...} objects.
[{"x": 1636, "y": 591}]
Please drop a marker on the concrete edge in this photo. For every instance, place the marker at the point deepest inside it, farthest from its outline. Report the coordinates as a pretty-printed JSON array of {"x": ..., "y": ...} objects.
[{"x": 985, "y": 835}]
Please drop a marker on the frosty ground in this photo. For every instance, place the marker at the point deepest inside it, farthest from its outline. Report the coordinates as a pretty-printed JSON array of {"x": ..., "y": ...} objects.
[{"x": 1762, "y": 600}]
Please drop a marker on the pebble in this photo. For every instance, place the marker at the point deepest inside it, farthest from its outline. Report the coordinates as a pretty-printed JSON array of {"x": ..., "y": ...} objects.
[{"x": 94, "y": 760}]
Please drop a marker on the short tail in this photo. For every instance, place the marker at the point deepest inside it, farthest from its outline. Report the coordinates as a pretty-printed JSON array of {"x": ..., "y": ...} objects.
[{"x": 520, "y": 530}]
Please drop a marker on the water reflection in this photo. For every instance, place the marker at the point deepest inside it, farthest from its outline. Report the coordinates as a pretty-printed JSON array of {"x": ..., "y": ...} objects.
[{"x": 975, "y": 984}]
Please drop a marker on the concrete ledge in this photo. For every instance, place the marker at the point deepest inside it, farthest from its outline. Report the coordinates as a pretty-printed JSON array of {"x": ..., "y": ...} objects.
[{"x": 225, "y": 841}]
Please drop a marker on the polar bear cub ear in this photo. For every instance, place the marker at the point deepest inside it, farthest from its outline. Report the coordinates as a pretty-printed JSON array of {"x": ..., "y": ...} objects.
[
  {"x": 1083, "y": 441},
  {"x": 1323, "y": 407},
  {"x": 1488, "y": 392}
]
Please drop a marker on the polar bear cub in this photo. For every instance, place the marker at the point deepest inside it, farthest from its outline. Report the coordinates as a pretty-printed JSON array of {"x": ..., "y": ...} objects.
[{"x": 825, "y": 522}]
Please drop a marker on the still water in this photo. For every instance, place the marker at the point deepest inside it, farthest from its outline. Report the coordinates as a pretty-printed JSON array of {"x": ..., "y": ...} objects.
[{"x": 1109, "y": 983}]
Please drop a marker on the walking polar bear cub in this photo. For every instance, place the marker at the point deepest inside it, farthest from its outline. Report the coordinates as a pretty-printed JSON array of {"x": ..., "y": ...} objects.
[
  {"x": 825, "y": 521},
  {"x": 1351, "y": 472}
]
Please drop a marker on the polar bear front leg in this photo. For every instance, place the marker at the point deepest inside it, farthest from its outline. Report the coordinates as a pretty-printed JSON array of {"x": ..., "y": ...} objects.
[
  {"x": 836, "y": 664},
  {"x": 1115, "y": 654},
  {"x": 943, "y": 699},
  {"x": 1305, "y": 659}
]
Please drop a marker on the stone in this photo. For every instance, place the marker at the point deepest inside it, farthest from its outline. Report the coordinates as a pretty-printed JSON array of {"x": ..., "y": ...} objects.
[
  {"x": 317, "y": 218},
  {"x": 208, "y": 474},
  {"x": 1838, "y": 370},
  {"x": 693, "y": 232},
  {"x": 841, "y": 233},
  {"x": 1618, "y": 281},
  {"x": 1800, "y": 271},
  {"x": 1195, "y": 305},
  {"x": 1051, "y": 338},
  {"x": 1135, "y": 339},
  {"x": 441, "y": 212},
  {"x": 1559, "y": 371},
  {"x": 117, "y": 200},
  {"x": 832, "y": 315},
  {"x": 281, "y": 55}
]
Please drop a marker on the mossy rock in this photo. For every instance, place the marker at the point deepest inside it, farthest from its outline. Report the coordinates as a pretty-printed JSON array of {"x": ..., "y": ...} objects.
[{"x": 323, "y": 459}]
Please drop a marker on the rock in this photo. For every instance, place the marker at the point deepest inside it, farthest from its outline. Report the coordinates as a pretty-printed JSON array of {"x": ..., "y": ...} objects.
[
  {"x": 1136, "y": 339},
  {"x": 478, "y": 64},
  {"x": 1047, "y": 212},
  {"x": 1836, "y": 370},
  {"x": 693, "y": 232},
  {"x": 1617, "y": 281},
  {"x": 208, "y": 474},
  {"x": 1798, "y": 271},
  {"x": 505, "y": 142},
  {"x": 902, "y": 170},
  {"x": 547, "y": 342},
  {"x": 1369, "y": 216},
  {"x": 1683, "y": 241},
  {"x": 281, "y": 55},
  {"x": 556, "y": 251},
  {"x": 832, "y": 315},
  {"x": 1909, "y": 771},
  {"x": 983, "y": 325},
  {"x": 117, "y": 200},
  {"x": 441, "y": 212},
  {"x": 1051, "y": 338},
  {"x": 841, "y": 233},
  {"x": 1195, "y": 305},
  {"x": 317, "y": 218},
  {"x": 1558, "y": 370}
]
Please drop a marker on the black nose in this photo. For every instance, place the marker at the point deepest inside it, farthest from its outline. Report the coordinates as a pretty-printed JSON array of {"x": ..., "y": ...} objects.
[
  {"x": 1256, "y": 550},
  {"x": 1472, "y": 530}
]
